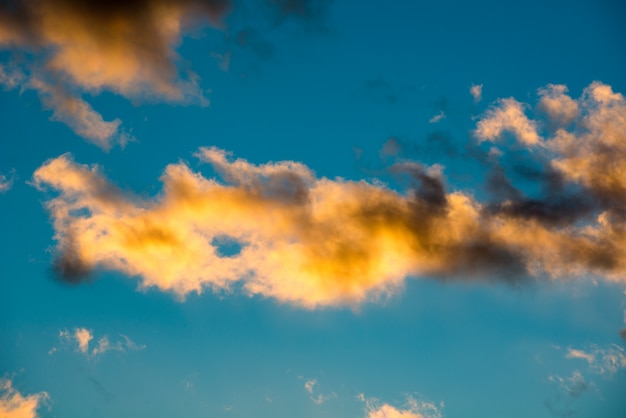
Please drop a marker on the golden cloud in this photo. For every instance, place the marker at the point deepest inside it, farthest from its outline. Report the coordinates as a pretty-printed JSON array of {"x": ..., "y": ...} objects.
[
  {"x": 15, "y": 405},
  {"x": 315, "y": 242}
]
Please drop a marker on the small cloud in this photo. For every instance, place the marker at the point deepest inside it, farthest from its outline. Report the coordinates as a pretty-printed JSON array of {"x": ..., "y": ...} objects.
[
  {"x": 82, "y": 337},
  {"x": 507, "y": 115},
  {"x": 15, "y": 405},
  {"x": 413, "y": 408},
  {"x": 308, "y": 385},
  {"x": 574, "y": 386},
  {"x": 6, "y": 181},
  {"x": 318, "y": 398},
  {"x": 603, "y": 361},
  {"x": 437, "y": 117},
  {"x": 477, "y": 92}
]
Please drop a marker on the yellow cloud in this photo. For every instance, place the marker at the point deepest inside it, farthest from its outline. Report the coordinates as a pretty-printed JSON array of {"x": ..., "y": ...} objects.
[
  {"x": 15, "y": 405},
  {"x": 316, "y": 241}
]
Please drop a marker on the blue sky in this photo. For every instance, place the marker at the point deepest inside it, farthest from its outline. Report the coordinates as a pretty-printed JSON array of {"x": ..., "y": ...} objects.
[{"x": 312, "y": 208}]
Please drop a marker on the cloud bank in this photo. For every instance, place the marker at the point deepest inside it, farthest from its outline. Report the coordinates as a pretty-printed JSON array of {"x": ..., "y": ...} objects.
[
  {"x": 313, "y": 241},
  {"x": 15, "y": 405}
]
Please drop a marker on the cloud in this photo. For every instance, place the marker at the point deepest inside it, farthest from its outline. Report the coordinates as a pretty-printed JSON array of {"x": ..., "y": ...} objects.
[
  {"x": 604, "y": 361},
  {"x": 127, "y": 47},
  {"x": 79, "y": 116},
  {"x": 15, "y": 405},
  {"x": 574, "y": 386},
  {"x": 437, "y": 117},
  {"x": 82, "y": 337},
  {"x": 6, "y": 182},
  {"x": 308, "y": 385},
  {"x": 507, "y": 116},
  {"x": 477, "y": 92},
  {"x": 279, "y": 231},
  {"x": 562, "y": 404},
  {"x": 412, "y": 409},
  {"x": 554, "y": 101},
  {"x": 319, "y": 399}
]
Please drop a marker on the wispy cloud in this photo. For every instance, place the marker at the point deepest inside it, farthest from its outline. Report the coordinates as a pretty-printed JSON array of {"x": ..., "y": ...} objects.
[
  {"x": 563, "y": 403},
  {"x": 604, "y": 361},
  {"x": 14, "y": 404},
  {"x": 6, "y": 182},
  {"x": 477, "y": 92},
  {"x": 316, "y": 397},
  {"x": 81, "y": 339},
  {"x": 316, "y": 242},
  {"x": 437, "y": 117}
]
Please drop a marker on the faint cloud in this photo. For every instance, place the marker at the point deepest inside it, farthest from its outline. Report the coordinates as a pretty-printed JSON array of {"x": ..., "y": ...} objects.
[
  {"x": 14, "y": 404},
  {"x": 6, "y": 181},
  {"x": 81, "y": 338},
  {"x": 604, "y": 361},
  {"x": 308, "y": 385},
  {"x": 317, "y": 398},
  {"x": 477, "y": 92},
  {"x": 437, "y": 117},
  {"x": 574, "y": 385}
]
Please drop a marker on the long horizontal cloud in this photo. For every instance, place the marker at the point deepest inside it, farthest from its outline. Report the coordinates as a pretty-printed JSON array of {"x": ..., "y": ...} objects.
[
  {"x": 14, "y": 404},
  {"x": 315, "y": 241},
  {"x": 127, "y": 47}
]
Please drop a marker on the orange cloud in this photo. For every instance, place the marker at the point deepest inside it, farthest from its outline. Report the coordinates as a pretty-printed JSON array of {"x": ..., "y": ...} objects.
[
  {"x": 15, "y": 405},
  {"x": 316, "y": 242},
  {"x": 507, "y": 116},
  {"x": 127, "y": 47}
]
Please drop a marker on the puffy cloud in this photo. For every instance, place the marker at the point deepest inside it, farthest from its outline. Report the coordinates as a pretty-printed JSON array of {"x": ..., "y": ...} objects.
[
  {"x": 412, "y": 409},
  {"x": 15, "y": 405},
  {"x": 507, "y": 116},
  {"x": 127, "y": 47},
  {"x": 279, "y": 231},
  {"x": 82, "y": 337},
  {"x": 561, "y": 108},
  {"x": 477, "y": 92}
]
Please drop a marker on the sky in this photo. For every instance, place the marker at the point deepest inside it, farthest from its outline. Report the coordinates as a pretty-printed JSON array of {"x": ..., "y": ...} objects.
[{"x": 312, "y": 208}]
